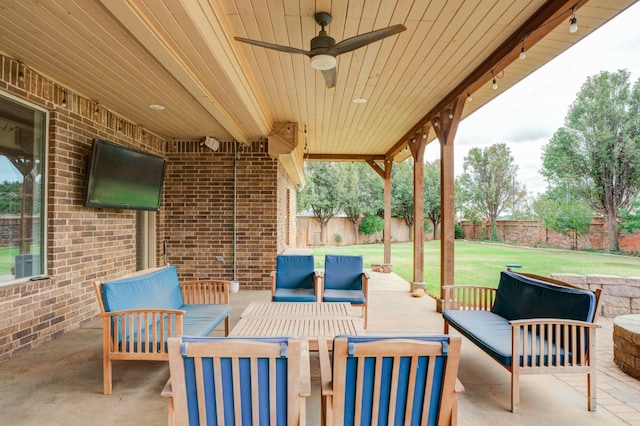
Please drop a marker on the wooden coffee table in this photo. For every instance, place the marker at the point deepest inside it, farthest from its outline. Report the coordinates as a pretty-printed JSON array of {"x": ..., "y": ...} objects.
[{"x": 308, "y": 321}]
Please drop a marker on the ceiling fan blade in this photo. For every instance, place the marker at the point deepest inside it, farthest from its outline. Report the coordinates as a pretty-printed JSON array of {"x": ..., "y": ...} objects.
[
  {"x": 287, "y": 49},
  {"x": 330, "y": 77},
  {"x": 362, "y": 40}
]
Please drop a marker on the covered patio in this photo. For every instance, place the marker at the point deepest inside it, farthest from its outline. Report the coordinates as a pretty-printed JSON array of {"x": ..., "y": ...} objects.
[{"x": 60, "y": 383}]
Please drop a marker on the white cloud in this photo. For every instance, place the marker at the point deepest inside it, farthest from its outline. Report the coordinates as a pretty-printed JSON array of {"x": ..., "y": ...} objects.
[{"x": 527, "y": 115}]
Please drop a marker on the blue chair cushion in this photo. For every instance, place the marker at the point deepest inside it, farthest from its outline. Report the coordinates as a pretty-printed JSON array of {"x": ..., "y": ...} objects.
[
  {"x": 382, "y": 405},
  {"x": 346, "y": 296},
  {"x": 294, "y": 295},
  {"x": 295, "y": 272},
  {"x": 515, "y": 293},
  {"x": 200, "y": 320},
  {"x": 343, "y": 272},
  {"x": 158, "y": 289},
  {"x": 246, "y": 377},
  {"x": 492, "y": 334}
]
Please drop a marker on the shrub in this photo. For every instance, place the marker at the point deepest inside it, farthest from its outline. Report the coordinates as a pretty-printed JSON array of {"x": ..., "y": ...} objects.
[
  {"x": 337, "y": 238},
  {"x": 371, "y": 224},
  {"x": 457, "y": 231}
]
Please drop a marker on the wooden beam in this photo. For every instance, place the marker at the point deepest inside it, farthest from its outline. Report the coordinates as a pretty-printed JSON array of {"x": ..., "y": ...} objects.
[
  {"x": 541, "y": 23},
  {"x": 417, "y": 146},
  {"x": 447, "y": 127},
  {"x": 344, "y": 157}
]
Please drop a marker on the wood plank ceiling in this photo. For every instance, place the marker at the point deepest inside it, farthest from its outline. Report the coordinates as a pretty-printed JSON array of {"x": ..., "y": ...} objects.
[{"x": 128, "y": 54}]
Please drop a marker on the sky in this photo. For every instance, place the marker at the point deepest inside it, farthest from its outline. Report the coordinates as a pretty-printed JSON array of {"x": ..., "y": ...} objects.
[{"x": 526, "y": 116}]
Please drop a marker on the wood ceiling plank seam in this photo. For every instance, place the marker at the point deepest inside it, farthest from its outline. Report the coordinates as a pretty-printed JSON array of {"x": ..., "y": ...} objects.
[
  {"x": 395, "y": 84},
  {"x": 354, "y": 75},
  {"x": 427, "y": 76},
  {"x": 476, "y": 77},
  {"x": 70, "y": 64},
  {"x": 250, "y": 101},
  {"x": 174, "y": 60},
  {"x": 173, "y": 23},
  {"x": 433, "y": 29},
  {"x": 299, "y": 71},
  {"x": 130, "y": 15},
  {"x": 375, "y": 98},
  {"x": 397, "y": 17},
  {"x": 253, "y": 58}
]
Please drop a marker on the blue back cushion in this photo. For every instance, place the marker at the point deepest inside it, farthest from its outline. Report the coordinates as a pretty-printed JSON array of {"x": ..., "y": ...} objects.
[
  {"x": 264, "y": 394},
  {"x": 294, "y": 271},
  {"x": 343, "y": 272},
  {"x": 516, "y": 293},
  {"x": 159, "y": 289},
  {"x": 368, "y": 405}
]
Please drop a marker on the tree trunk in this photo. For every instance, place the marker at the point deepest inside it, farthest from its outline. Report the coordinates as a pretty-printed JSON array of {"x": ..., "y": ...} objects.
[
  {"x": 494, "y": 231},
  {"x": 612, "y": 226}
]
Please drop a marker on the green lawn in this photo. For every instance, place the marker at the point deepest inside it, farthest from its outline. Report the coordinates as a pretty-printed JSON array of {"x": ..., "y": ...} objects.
[{"x": 481, "y": 263}]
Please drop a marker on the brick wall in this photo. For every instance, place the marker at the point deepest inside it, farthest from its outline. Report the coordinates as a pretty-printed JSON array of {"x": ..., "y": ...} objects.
[
  {"x": 531, "y": 232},
  {"x": 198, "y": 196},
  {"x": 85, "y": 244}
]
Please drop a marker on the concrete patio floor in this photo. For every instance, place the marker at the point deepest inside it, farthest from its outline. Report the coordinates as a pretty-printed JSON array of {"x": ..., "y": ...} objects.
[{"x": 60, "y": 383}]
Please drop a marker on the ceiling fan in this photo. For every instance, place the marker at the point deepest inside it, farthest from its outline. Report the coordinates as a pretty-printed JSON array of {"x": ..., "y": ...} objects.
[{"x": 324, "y": 48}]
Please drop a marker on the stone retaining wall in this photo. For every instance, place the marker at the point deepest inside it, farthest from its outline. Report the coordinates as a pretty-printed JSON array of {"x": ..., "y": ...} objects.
[{"x": 620, "y": 296}]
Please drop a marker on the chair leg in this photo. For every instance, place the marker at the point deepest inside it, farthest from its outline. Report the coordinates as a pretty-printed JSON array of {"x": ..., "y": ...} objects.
[
  {"x": 226, "y": 326},
  {"x": 364, "y": 315},
  {"x": 106, "y": 374},
  {"x": 515, "y": 391}
]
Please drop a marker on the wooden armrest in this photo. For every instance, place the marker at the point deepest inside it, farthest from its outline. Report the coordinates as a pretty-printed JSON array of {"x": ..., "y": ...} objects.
[
  {"x": 178, "y": 312},
  {"x": 205, "y": 291},
  {"x": 326, "y": 379},
  {"x": 305, "y": 369},
  {"x": 552, "y": 321}
]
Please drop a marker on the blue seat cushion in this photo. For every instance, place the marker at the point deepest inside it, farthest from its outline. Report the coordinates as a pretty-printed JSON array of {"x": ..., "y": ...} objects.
[
  {"x": 200, "y": 320},
  {"x": 295, "y": 272},
  {"x": 294, "y": 295},
  {"x": 492, "y": 334},
  {"x": 158, "y": 289},
  {"x": 346, "y": 296},
  {"x": 343, "y": 272}
]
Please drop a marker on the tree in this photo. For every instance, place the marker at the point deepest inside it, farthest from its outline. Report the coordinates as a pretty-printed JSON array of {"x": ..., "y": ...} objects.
[
  {"x": 565, "y": 212},
  {"x": 402, "y": 192},
  {"x": 598, "y": 148},
  {"x": 323, "y": 193},
  {"x": 432, "y": 193},
  {"x": 362, "y": 197},
  {"x": 10, "y": 197},
  {"x": 489, "y": 183},
  {"x": 630, "y": 217}
]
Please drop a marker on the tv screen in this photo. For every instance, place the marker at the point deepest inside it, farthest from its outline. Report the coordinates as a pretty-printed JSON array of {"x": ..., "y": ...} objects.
[{"x": 123, "y": 178}]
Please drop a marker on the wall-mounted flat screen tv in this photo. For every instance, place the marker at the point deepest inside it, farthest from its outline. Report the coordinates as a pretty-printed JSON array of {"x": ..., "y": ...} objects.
[{"x": 123, "y": 178}]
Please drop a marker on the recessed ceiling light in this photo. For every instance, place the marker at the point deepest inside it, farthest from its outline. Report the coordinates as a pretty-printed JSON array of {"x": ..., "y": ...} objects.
[
  {"x": 157, "y": 107},
  {"x": 359, "y": 101}
]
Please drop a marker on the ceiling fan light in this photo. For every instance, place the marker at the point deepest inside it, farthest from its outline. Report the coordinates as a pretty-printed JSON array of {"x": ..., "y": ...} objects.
[{"x": 323, "y": 62}]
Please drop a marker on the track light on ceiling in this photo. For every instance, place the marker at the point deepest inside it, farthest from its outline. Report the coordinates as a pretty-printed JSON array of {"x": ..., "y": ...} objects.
[
  {"x": 436, "y": 122},
  {"x": 469, "y": 98},
  {"x": 523, "y": 54},
  {"x": 450, "y": 115},
  {"x": 495, "y": 82}
]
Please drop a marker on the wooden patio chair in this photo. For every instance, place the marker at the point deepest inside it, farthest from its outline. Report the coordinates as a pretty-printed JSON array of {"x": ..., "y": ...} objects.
[
  {"x": 391, "y": 380},
  {"x": 294, "y": 279},
  {"x": 345, "y": 281},
  {"x": 225, "y": 380}
]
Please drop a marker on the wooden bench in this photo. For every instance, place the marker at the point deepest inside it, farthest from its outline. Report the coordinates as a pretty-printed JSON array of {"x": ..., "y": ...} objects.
[
  {"x": 545, "y": 325},
  {"x": 140, "y": 311}
]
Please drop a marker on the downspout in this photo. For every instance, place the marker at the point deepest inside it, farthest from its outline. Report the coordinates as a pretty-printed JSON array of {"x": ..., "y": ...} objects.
[{"x": 235, "y": 198}]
